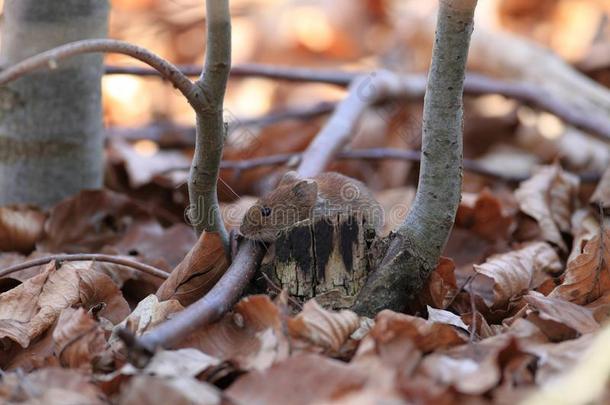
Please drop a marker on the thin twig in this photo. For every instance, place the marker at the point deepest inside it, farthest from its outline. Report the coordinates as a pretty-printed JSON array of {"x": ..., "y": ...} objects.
[
  {"x": 50, "y": 58},
  {"x": 144, "y": 268}
]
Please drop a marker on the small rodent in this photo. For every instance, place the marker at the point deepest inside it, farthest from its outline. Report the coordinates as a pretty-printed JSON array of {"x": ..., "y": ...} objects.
[{"x": 296, "y": 199}]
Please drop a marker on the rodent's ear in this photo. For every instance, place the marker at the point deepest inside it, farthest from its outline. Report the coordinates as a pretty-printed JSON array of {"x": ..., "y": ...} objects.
[
  {"x": 289, "y": 178},
  {"x": 306, "y": 191}
]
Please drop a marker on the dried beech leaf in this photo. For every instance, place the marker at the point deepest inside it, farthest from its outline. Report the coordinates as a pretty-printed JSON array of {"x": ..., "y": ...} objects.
[
  {"x": 148, "y": 314},
  {"x": 20, "y": 228},
  {"x": 90, "y": 220},
  {"x": 549, "y": 197},
  {"x": 251, "y": 336},
  {"x": 442, "y": 285},
  {"x": 484, "y": 216},
  {"x": 601, "y": 196},
  {"x": 586, "y": 277},
  {"x": 426, "y": 335},
  {"x": 79, "y": 339},
  {"x": 552, "y": 311},
  {"x": 31, "y": 308},
  {"x": 198, "y": 272},
  {"x": 175, "y": 363},
  {"x": 144, "y": 389},
  {"x": 300, "y": 380},
  {"x": 442, "y": 316},
  {"x": 505, "y": 276},
  {"x": 50, "y": 386},
  {"x": 322, "y": 328},
  {"x": 585, "y": 227}
]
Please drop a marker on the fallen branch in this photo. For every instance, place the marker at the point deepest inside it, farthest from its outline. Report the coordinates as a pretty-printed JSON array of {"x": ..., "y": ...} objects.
[
  {"x": 380, "y": 154},
  {"x": 212, "y": 306},
  {"x": 81, "y": 257},
  {"x": 475, "y": 84}
]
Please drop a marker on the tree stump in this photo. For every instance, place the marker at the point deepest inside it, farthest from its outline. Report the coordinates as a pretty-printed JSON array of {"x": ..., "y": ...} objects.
[{"x": 326, "y": 259}]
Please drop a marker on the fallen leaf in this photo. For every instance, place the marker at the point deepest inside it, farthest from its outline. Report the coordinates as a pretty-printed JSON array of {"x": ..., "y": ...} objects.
[
  {"x": 324, "y": 329},
  {"x": 174, "y": 363},
  {"x": 148, "y": 314},
  {"x": 553, "y": 316},
  {"x": 145, "y": 389},
  {"x": 50, "y": 386},
  {"x": 586, "y": 277},
  {"x": 29, "y": 309},
  {"x": 198, "y": 272},
  {"x": 549, "y": 197},
  {"x": 485, "y": 216},
  {"x": 20, "y": 228},
  {"x": 442, "y": 285},
  {"x": 442, "y": 316},
  {"x": 303, "y": 379},
  {"x": 426, "y": 335},
  {"x": 506, "y": 276},
  {"x": 79, "y": 340},
  {"x": 251, "y": 337},
  {"x": 90, "y": 220}
]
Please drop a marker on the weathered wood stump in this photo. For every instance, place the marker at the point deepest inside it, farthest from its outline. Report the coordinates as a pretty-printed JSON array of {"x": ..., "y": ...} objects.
[{"x": 327, "y": 259}]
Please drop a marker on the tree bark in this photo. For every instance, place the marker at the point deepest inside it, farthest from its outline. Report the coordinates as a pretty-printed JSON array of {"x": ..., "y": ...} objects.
[
  {"x": 417, "y": 244},
  {"x": 51, "y": 130}
]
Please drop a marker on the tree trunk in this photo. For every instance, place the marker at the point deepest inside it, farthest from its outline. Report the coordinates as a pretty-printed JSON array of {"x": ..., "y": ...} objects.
[{"x": 51, "y": 130}]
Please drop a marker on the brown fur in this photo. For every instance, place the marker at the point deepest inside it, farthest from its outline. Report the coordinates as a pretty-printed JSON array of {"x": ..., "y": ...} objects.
[{"x": 297, "y": 199}]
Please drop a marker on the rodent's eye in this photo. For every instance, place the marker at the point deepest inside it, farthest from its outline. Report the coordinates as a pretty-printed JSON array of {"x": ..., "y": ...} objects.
[{"x": 265, "y": 211}]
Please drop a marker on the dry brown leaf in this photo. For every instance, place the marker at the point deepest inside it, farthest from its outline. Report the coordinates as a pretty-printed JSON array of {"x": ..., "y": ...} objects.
[
  {"x": 79, "y": 339},
  {"x": 559, "y": 319},
  {"x": 29, "y": 309},
  {"x": 474, "y": 369},
  {"x": 198, "y": 272},
  {"x": 49, "y": 386},
  {"x": 587, "y": 275},
  {"x": 585, "y": 227},
  {"x": 327, "y": 330},
  {"x": 20, "y": 228},
  {"x": 300, "y": 380},
  {"x": 442, "y": 316},
  {"x": 426, "y": 335},
  {"x": 90, "y": 220},
  {"x": 148, "y": 314},
  {"x": 174, "y": 363},
  {"x": 506, "y": 276},
  {"x": 442, "y": 285},
  {"x": 251, "y": 336},
  {"x": 485, "y": 216},
  {"x": 550, "y": 198},
  {"x": 145, "y": 389},
  {"x": 601, "y": 196}
]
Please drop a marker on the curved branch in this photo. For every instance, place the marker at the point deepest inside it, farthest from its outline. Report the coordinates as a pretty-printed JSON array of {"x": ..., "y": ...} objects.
[
  {"x": 49, "y": 59},
  {"x": 210, "y": 307},
  {"x": 144, "y": 268}
]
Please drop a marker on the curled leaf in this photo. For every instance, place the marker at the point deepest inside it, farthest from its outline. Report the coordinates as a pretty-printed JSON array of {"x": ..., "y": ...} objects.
[
  {"x": 322, "y": 328},
  {"x": 505, "y": 276},
  {"x": 79, "y": 339},
  {"x": 549, "y": 197},
  {"x": 586, "y": 277}
]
